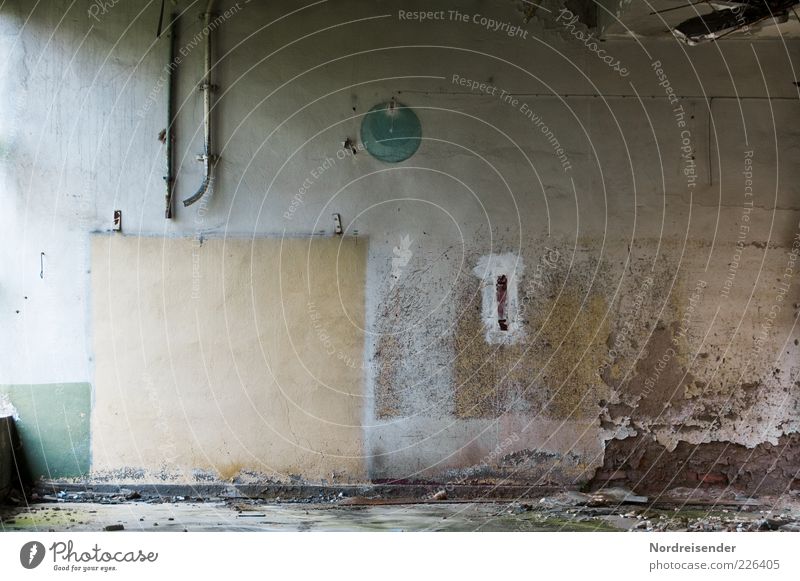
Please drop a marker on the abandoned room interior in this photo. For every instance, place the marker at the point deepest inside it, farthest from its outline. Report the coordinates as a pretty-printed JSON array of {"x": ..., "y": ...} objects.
[{"x": 394, "y": 265}]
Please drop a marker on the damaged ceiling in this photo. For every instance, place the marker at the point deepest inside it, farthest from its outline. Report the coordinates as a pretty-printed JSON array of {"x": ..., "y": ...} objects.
[{"x": 625, "y": 18}]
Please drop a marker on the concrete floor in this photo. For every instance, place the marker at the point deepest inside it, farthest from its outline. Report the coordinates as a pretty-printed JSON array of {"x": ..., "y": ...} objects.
[
  {"x": 140, "y": 516},
  {"x": 228, "y": 516}
]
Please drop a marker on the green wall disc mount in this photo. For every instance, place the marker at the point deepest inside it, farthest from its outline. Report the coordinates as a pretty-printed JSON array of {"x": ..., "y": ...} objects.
[{"x": 391, "y": 132}]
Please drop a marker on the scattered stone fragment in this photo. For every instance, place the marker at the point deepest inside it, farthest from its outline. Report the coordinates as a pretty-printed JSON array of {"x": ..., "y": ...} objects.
[
  {"x": 116, "y": 527},
  {"x": 615, "y": 495},
  {"x": 769, "y": 524},
  {"x": 793, "y": 527},
  {"x": 563, "y": 499}
]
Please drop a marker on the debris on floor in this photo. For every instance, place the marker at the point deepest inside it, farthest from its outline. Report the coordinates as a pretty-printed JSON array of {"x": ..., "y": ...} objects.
[{"x": 606, "y": 510}]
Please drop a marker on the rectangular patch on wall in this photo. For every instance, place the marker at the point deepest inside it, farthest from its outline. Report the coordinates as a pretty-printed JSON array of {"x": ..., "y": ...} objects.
[
  {"x": 228, "y": 357},
  {"x": 53, "y": 424}
]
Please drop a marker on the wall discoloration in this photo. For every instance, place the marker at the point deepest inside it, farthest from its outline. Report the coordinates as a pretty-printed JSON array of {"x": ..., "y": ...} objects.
[
  {"x": 483, "y": 374},
  {"x": 676, "y": 405},
  {"x": 618, "y": 370},
  {"x": 660, "y": 379},
  {"x": 387, "y": 377},
  {"x": 574, "y": 346},
  {"x": 648, "y": 467},
  {"x": 485, "y": 180},
  {"x": 229, "y": 357},
  {"x": 542, "y": 372},
  {"x": 409, "y": 358}
]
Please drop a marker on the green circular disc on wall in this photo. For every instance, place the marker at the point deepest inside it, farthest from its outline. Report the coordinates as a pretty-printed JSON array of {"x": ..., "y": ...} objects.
[{"x": 391, "y": 132}]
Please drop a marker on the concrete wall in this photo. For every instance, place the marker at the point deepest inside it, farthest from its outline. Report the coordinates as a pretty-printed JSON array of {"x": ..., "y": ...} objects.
[
  {"x": 647, "y": 276},
  {"x": 53, "y": 426},
  {"x": 228, "y": 357}
]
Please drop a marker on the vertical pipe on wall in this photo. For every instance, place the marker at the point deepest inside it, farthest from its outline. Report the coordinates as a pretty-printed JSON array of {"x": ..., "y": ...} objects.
[
  {"x": 207, "y": 156},
  {"x": 170, "y": 137}
]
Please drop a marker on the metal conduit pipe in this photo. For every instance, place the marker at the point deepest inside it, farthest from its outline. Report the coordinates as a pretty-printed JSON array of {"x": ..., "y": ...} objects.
[
  {"x": 170, "y": 135},
  {"x": 207, "y": 157}
]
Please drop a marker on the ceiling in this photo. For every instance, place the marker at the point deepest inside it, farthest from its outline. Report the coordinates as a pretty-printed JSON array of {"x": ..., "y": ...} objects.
[{"x": 636, "y": 19}]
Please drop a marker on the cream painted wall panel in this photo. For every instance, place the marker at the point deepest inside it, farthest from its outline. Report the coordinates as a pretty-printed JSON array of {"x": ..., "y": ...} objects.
[{"x": 228, "y": 357}]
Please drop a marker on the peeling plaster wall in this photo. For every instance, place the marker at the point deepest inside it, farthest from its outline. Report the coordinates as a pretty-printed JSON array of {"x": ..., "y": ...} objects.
[{"x": 614, "y": 247}]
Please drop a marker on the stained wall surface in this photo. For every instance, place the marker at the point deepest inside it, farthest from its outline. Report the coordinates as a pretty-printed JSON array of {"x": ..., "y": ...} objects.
[
  {"x": 230, "y": 356},
  {"x": 643, "y": 203}
]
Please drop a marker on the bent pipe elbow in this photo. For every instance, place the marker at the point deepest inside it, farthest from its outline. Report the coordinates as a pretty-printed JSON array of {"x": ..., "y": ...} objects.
[{"x": 198, "y": 194}]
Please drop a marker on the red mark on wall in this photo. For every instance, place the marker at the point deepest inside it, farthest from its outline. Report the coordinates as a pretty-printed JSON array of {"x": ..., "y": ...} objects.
[{"x": 502, "y": 293}]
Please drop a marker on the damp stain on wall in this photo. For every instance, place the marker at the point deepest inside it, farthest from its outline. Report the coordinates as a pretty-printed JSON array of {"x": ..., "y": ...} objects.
[
  {"x": 644, "y": 465},
  {"x": 552, "y": 371},
  {"x": 608, "y": 356}
]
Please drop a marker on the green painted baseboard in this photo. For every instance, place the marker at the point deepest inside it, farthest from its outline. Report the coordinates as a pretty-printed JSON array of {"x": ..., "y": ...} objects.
[
  {"x": 7, "y": 469},
  {"x": 53, "y": 422}
]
